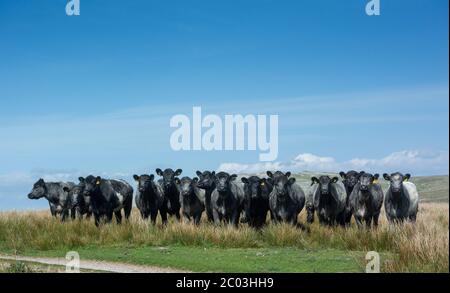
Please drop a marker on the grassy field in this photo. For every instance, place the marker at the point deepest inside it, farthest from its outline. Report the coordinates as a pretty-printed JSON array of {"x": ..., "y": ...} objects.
[{"x": 422, "y": 247}]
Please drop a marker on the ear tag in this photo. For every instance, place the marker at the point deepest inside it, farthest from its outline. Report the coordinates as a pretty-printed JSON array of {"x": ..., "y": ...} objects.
[
  {"x": 406, "y": 180},
  {"x": 262, "y": 184},
  {"x": 98, "y": 182},
  {"x": 375, "y": 181}
]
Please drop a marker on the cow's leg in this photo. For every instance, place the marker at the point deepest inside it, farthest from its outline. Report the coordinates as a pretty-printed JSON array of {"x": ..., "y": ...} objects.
[
  {"x": 127, "y": 208},
  {"x": 73, "y": 213},
  {"x": 163, "y": 213},
  {"x": 358, "y": 221},
  {"x": 375, "y": 220},
  {"x": 368, "y": 222},
  {"x": 118, "y": 215},
  {"x": 412, "y": 218},
  {"x": 310, "y": 214},
  {"x": 217, "y": 217},
  {"x": 97, "y": 219}
]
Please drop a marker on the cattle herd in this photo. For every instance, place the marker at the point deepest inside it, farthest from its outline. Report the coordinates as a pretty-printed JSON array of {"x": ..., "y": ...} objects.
[{"x": 226, "y": 199}]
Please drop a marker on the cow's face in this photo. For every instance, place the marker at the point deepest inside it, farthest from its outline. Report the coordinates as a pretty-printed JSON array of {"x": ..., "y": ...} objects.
[
  {"x": 91, "y": 185},
  {"x": 396, "y": 180},
  {"x": 324, "y": 183},
  {"x": 281, "y": 184},
  {"x": 253, "y": 186},
  {"x": 186, "y": 185},
  {"x": 350, "y": 178},
  {"x": 222, "y": 180},
  {"x": 75, "y": 193},
  {"x": 144, "y": 182},
  {"x": 39, "y": 190},
  {"x": 367, "y": 179},
  {"x": 168, "y": 176},
  {"x": 205, "y": 179}
]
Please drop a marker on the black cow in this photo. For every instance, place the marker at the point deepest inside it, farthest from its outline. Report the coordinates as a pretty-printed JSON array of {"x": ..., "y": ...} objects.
[
  {"x": 81, "y": 204},
  {"x": 349, "y": 179},
  {"x": 256, "y": 200},
  {"x": 328, "y": 197},
  {"x": 108, "y": 197},
  {"x": 150, "y": 198},
  {"x": 287, "y": 199},
  {"x": 207, "y": 183},
  {"x": 192, "y": 199},
  {"x": 366, "y": 200},
  {"x": 58, "y": 199},
  {"x": 227, "y": 199},
  {"x": 170, "y": 190}
]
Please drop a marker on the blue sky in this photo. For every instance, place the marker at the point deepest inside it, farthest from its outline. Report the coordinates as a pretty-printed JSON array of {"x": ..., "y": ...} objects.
[{"x": 95, "y": 93}]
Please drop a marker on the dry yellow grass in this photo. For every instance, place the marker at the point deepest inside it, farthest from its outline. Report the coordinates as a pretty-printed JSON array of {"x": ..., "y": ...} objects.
[{"x": 419, "y": 247}]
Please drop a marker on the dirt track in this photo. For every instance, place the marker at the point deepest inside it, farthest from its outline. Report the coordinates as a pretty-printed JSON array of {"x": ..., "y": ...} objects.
[{"x": 95, "y": 265}]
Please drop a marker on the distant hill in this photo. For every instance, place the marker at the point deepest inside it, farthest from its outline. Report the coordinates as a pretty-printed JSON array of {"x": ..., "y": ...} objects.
[{"x": 431, "y": 188}]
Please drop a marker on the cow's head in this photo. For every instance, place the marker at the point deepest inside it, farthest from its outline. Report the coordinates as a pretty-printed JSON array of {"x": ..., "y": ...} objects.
[
  {"x": 350, "y": 178},
  {"x": 91, "y": 185},
  {"x": 206, "y": 179},
  {"x": 168, "y": 176},
  {"x": 186, "y": 185},
  {"x": 324, "y": 183},
  {"x": 145, "y": 183},
  {"x": 272, "y": 176},
  {"x": 75, "y": 193},
  {"x": 253, "y": 186},
  {"x": 367, "y": 179},
  {"x": 396, "y": 180},
  {"x": 39, "y": 190},
  {"x": 222, "y": 180},
  {"x": 281, "y": 183}
]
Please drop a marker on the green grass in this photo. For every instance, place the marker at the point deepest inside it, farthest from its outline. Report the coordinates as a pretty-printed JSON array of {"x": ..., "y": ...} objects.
[{"x": 213, "y": 259}]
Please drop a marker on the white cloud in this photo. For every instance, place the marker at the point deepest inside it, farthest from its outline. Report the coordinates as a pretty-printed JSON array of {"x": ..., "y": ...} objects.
[{"x": 412, "y": 161}]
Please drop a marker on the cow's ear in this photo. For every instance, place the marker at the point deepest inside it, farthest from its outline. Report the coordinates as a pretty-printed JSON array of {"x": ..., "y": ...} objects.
[
  {"x": 152, "y": 177},
  {"x": 386, "y": 177},
  {"x": 136, "y": 177},
  {"x": 291, "y": 181},
  {"x": 177, "y": 180},
  {"x": 178, "y": 172},
  {"x": 232, "y": 177},
  {"x": 213, "y": 173},
  {"x": 335, "y": 179},
  {"x": 40, "y": 182},
  {"x": 244, "y": 180},
  {"x": 199, "y": 174},
  {"x": 159, "y": 172},
  {"x": 314, "y": 180},
  {"x": 407, "y": 177},
  {"x": 288, "y": 174},
  {"x": 81, "y": 179},
  {"x": 66, "y": 189},
  {"x": 270, "y": 174},
  {"x": 195, "y": 179},
  {"x": 376, "y": 176},
  {"x": 343, "y": 175},
  {"x": 98, "y": 180}
]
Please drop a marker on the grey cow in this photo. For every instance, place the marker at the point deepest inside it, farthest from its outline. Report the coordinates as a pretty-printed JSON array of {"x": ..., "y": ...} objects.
[
  {"x": 366, "y": 200},
  {"x": 286, "y": 200},
  {"x": 402, "y": 198},
  {"x": 192, "y": 199},
  {"x": 227, "y": 199},
  {"x": 59, "y": 200},
  {"x": 327, "y": 197}
]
